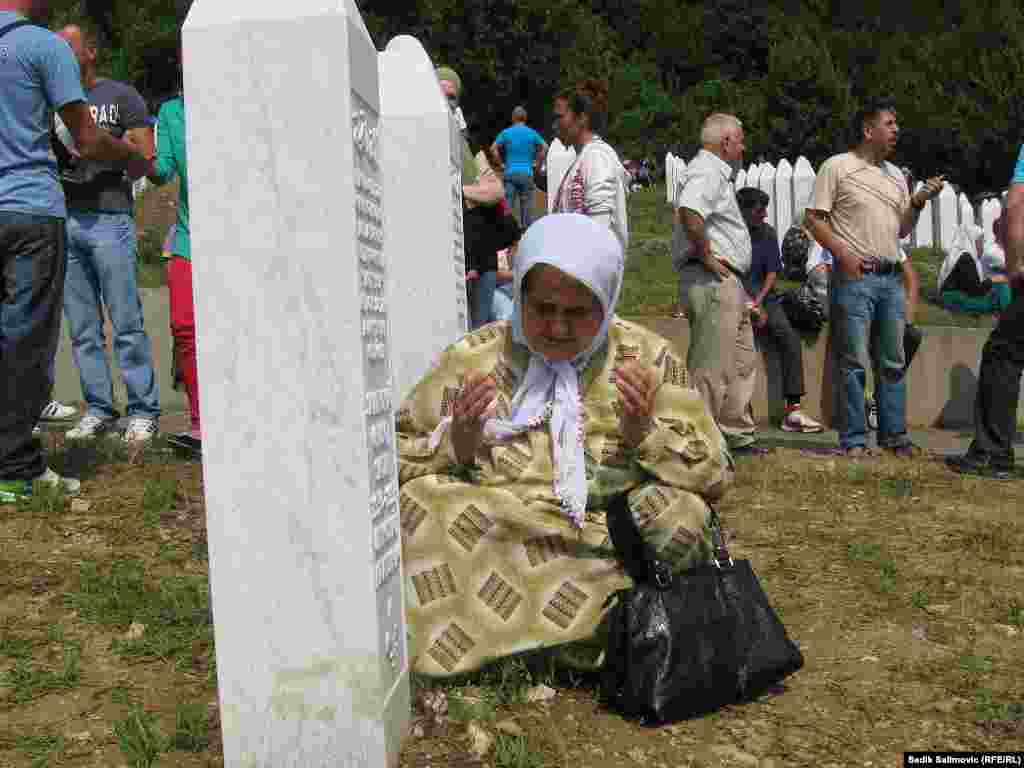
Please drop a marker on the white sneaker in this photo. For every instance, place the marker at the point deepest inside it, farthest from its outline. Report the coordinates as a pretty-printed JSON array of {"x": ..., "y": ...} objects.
[
  {"x": 797, "y": 421},
  {"x": 57, "y": 411},
  {"x": 71, "y": 486},
  {"x": 871, "y": 413},
  {"x": 89, "y": 426},
  {"x": 140, "y": 430}
]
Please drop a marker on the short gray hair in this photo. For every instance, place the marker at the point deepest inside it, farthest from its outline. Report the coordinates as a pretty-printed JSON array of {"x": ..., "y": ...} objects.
[
  {"x": 716, "y": 127},
  {"x": 519, "y": 113}
]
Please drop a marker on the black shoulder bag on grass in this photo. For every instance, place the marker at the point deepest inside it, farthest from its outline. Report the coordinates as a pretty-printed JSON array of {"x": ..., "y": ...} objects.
[{"x": 683, "y": 645}]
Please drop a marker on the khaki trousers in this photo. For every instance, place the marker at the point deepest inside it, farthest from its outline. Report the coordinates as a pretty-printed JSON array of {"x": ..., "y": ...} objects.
[{"x": 721, "y": 359}]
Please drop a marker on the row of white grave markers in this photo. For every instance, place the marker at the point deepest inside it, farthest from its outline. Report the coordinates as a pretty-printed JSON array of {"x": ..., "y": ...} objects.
[
  {"x": 789, "y": 187},
  {"x": 329, "y": 272}
]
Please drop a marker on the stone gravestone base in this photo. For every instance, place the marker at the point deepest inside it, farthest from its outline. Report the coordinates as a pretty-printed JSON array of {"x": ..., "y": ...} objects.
[{"x": 288, "y": 217}]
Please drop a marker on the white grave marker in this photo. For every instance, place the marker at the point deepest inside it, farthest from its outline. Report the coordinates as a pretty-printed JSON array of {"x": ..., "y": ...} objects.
[
  {"x": 803, "y": 187},
  {"x": 753, "y": 177},
  {"x": 299, "y": 461},
  {"x": 560, "y": 157},
  {"x": 668, "y": 177},
  {"x": 766, "y": 183},
  {"x": 966, "y": 211},
  {"x": 924, "y": 232},
  {"x": 783, "y": 198},
  {"x": 945, "y": 210},
  {"x": 421, "y": 151}
]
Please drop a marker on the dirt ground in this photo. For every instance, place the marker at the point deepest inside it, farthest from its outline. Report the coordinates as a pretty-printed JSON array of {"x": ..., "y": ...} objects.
[{"x": 902, "y": 583}]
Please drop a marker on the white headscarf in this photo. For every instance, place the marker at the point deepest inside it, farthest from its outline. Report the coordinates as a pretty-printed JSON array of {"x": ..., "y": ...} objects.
[
  {"x": 589, "y": 252},
  {"x": 965, "y": 240}
]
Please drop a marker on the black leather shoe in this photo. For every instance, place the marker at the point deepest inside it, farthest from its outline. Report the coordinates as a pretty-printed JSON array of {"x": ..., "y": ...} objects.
[{"x": 982, "y": 465}]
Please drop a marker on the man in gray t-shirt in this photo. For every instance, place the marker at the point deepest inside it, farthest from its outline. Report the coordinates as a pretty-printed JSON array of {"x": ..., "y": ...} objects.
[{"x": 102, "y": 256}]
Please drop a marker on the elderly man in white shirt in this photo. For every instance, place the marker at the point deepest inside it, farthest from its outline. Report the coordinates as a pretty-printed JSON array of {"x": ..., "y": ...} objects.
[{"x": 711, "y": 250}]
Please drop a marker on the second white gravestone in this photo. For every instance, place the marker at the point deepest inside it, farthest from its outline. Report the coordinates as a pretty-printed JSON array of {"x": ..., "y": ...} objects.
[
  {"x": 288, "y": 217},
  {"x": 422, "y": 154}
]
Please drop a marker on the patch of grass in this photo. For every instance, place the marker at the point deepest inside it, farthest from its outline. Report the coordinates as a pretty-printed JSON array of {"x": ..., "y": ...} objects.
[
  {"x": 860, "y": 551},
  {"x": 158, "y": 496},
  {"x": 46, "y": 501},
  {"x": 872, "y": 554},
  {"x": 976, "y": 665},
  {"x": 508, "y": 680},
  {"x": 516, "y": 752},
  {"x": 462, "y": 708},
  {"x": 139, "y": 738},
  {"x": 175, "y": 610},
  {"x": 1016, "y": 617},
  {"x": 650, "y": 285},
  {"x": 121, "y": 694},
  {"x": 42, "y": 751},
  {"x": 15, "y": 647},
  {"x": 191, "y": 728},
  {"x": 855, "y": 474},
  {"x": 56, "y": 633},
  {"x": 27, "y": 681},
  {"x": 920, "y": 599},
  {"x": 896, "y": 487},
  {"x": 988, "y": 710}
]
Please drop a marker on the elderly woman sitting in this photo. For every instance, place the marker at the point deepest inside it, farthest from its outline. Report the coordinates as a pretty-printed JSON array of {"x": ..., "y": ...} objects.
[{"x": 511, "y": 447}]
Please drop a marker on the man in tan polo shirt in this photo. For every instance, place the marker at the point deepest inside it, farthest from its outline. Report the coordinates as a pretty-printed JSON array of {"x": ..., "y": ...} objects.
[
  {"x": 859, "y": 210},
  {"x": 711, "y": 250}
]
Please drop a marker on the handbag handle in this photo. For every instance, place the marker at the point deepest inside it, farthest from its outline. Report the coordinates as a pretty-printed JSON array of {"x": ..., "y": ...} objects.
[
  {"x": 642, "y": 564},
  {"x": 719, "y": 550}
]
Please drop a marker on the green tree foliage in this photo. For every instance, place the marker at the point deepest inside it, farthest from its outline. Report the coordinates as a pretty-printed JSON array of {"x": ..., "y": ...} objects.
[{"x": 793, "y": 70}]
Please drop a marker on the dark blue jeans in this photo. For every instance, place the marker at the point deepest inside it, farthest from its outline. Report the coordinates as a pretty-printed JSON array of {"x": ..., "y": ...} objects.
[
  {"x": 481, "y": 299},
  {"x": 866, "y": 313},
  {"x": 519, "y": 191},
  {"x": 102, "y": 271},
  {"x": 33, "y": 259}
]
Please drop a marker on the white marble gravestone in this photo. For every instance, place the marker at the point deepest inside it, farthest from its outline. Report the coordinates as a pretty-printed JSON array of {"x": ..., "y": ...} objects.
[
  {"x": 966, "y": 210},
  {"x": 560, "y": 157},
  {"x": 803, "y": 187},
  {"x": 753, "y": 177},
  {"x": 668, "y": 177},
  {"x": 740, "y": 180},
  {"x": 288, "y": 214},
  {"x": 421, "y": 152},
  {"x": 924, "y": 231},
  {"x": 766, "y": 183},
  {"x": 783, "y": 198},
  {"x": 945, "y": 210}
]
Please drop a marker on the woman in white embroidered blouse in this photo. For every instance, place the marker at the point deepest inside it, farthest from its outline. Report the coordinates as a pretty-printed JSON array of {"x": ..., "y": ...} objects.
[{"x": 595, "y": 184}]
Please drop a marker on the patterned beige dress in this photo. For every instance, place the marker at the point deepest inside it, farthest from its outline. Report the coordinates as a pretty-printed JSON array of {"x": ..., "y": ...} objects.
[{"x": 492, "y": 566}]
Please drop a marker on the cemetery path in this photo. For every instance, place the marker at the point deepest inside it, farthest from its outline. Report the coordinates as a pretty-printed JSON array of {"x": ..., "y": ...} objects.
[{"x": 903, "y": 583}]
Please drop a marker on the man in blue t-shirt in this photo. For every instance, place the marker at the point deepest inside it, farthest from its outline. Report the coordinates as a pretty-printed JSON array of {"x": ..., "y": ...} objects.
[
  {"x": 767, "y": 315},
  {"x": 521, "y": 149},
  {"x": 38, "y": 76},
  {"x": 1002, "y": 360}
]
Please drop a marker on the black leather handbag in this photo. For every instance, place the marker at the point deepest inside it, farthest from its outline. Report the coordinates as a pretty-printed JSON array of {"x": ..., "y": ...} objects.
[{"x": 683, "y": 645}]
